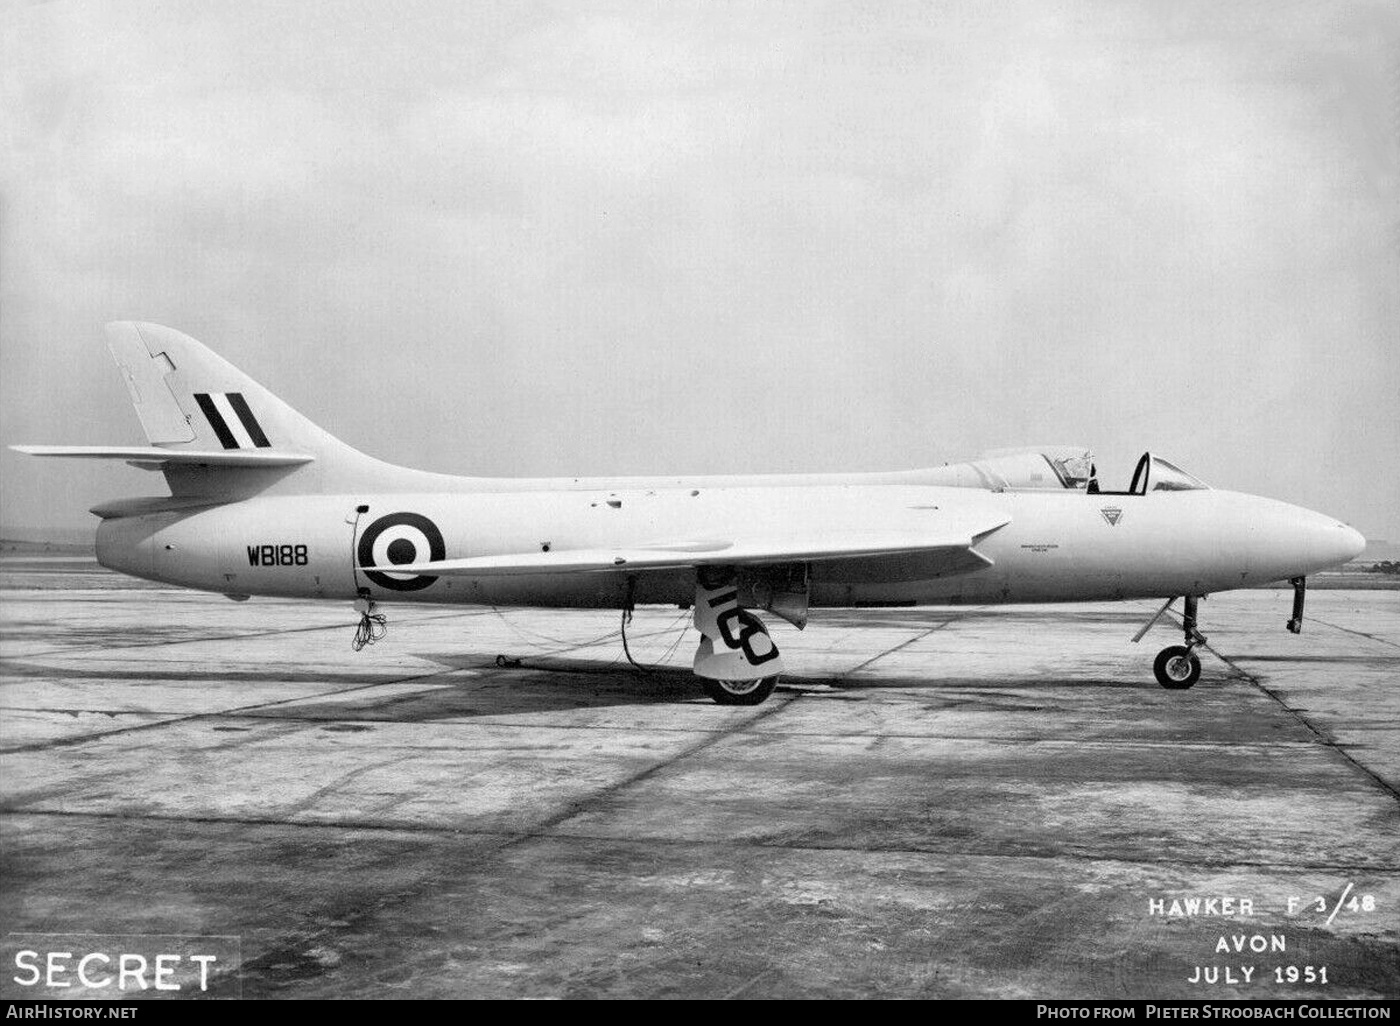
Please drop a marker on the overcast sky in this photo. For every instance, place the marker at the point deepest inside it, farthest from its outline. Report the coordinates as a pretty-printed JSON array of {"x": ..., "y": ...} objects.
[{"x": 505, "y": 238}]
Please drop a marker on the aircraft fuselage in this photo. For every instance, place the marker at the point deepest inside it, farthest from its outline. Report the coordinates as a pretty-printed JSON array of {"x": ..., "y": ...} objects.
[{"x": 1057, "y": 546}]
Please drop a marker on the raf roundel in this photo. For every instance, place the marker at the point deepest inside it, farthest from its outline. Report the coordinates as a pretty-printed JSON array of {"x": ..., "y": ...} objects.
[{"x": 400, "y": 539}]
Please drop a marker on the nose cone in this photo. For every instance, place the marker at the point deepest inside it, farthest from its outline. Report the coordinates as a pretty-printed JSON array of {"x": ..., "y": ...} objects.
[
  {"x": 1324, "y": 541},
  {"x": 1274, "y": 541},
  {"x": 1353, "y": 543}
]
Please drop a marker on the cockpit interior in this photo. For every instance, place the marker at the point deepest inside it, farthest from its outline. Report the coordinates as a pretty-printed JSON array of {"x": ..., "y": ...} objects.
[{"x": 1152, "y": 474}]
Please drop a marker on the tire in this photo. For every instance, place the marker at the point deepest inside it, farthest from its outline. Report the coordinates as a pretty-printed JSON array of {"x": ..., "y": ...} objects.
[
  {"x": 1177, "y": 668},
  {"x": 739, "y": 692}
]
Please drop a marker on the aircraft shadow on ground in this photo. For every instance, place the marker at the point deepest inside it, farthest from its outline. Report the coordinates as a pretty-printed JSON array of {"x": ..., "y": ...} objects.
[
  {"x": 542, "y": 687},
  {"x": 17, "y": 669},
  {"x": 533, "y": 686},
  {"x": 547, "y": 684},
  {"x": 1349, "y": 660},
  {"x": 934, "y": 682}
]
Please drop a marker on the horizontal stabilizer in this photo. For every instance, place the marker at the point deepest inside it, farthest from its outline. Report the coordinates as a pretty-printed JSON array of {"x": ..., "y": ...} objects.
[
  {"x": 153, "y": 457},
  {"x": 118, "y": 508},
  {"x": 959, "y": 553}
]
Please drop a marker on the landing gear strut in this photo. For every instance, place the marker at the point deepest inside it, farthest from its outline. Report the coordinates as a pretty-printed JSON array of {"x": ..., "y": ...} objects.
[{"x": 1177, "y": 667}]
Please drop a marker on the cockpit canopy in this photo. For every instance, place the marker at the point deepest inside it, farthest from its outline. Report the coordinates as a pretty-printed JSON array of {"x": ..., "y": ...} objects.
[
  {"x": 1154, "y": 474},
  {"x": 1065, "y": 467}
]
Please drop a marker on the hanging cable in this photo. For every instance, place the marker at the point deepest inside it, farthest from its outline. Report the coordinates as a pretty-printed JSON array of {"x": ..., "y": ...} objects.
[
  {"x": 565, "y": 645},
  {"x": 679, "y": 638},
  {"x": 628, "y": 604},
  {"x": 372, "y": 627},
  {"x": 627, "y": 618},
  {"x": 535, "y": 637}
]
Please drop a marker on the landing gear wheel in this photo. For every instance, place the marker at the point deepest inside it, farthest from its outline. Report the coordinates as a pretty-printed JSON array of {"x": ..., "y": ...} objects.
[
  {"x": 1177, "y": 668},
  {"x": 739, "y": 692}
]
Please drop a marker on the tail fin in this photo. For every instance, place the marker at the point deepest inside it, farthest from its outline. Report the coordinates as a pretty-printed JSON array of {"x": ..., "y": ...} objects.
[
  {"x": 187, "y": 397},
  {"x": 216, "y": 433}
]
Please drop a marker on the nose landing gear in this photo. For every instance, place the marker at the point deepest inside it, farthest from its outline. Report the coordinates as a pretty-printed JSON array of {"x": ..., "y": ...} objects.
[{"x": 1177, "y": 667}]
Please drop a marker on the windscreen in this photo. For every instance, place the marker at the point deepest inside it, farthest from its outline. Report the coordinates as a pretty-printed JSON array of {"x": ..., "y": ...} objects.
[{"x": 1167, "y": 477}]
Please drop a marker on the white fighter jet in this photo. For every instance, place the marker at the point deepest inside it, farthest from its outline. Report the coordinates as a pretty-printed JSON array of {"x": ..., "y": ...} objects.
[{"x": 263, "y": 502}]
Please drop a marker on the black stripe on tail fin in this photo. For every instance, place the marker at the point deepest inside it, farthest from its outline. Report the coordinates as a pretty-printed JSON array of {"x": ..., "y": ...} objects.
[
  {"x": 216, "y": 420},
  {"x": 250, "y": 423}
]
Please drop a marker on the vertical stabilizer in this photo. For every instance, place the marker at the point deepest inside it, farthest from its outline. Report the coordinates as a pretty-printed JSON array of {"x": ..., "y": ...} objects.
[{"x": 188, "y": 397}]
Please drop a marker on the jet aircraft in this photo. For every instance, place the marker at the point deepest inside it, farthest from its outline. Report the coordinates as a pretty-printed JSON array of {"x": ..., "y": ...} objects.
[{"x": 264, "y": 502}]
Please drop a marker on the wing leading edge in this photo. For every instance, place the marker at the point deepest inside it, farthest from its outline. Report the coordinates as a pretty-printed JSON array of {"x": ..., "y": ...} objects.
[{"x": 928, "y": 555}]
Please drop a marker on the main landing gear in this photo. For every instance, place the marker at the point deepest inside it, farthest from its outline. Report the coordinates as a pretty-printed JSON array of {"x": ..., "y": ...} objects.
[
  {"x": 737, "y": 662},
  {"x": 1177, "y": 667},
  {"x": 739, "y": 692}
]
